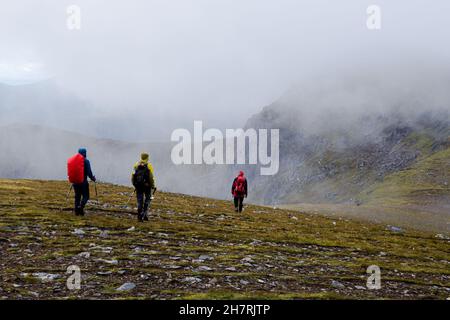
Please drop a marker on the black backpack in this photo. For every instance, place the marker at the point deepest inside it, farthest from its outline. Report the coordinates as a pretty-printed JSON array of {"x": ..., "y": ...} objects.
[{"x": 141, "y": 178}]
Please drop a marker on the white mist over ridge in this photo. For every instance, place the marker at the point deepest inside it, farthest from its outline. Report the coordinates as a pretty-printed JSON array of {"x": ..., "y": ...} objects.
[
  {"x": 169, "y": 63},
  {"x": 344, "y": 99},
  {"x": 345, "y": 132}
]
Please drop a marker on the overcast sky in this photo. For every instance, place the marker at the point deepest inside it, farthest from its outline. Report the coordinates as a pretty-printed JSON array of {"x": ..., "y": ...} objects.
[{"x": 215, "y": 60}]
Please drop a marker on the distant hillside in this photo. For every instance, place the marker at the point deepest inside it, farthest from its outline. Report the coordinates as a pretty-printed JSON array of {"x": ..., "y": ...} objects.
[
  {"x": 425, "y": 183},
  {"x": 37, "y": 152},
  {"x": 385, "y": 169},
  {"x": 46, "y": 104},
  {"x": 352, "y": 164},
  {"x": 31, "y": 151},
  {"x": 200, "y": 248}
]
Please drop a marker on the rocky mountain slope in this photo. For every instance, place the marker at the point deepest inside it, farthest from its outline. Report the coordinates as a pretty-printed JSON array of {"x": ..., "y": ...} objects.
[
  {"x": 346, "y": 165},
  {"x": 200, "y": 248},
  {"x": 392, "y": 169}
]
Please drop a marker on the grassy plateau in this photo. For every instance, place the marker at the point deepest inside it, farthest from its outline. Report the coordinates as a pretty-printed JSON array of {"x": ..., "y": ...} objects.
[{"x": 198, "y": 248}]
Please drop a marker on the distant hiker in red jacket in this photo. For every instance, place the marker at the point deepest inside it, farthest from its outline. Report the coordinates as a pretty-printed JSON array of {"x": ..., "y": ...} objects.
[
  {"x": 78, "y": 171},
  {"x": 239, "y": 191}
]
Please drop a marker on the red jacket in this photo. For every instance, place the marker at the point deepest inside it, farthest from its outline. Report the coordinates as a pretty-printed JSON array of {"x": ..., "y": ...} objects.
[{"x": 239, "y": 186}]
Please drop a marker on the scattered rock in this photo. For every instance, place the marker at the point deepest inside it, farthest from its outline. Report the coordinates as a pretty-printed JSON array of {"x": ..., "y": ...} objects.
[
  {"x": 102, "y": 249},
  {"x": 247, "y": 259},
  {"x": 131, "y": 228},
  {"x": 230, "y": 269},
  {"x": 337, "y": 284},
  {"x": 204, "y": 268},
  {"x": 114, "y": 261},
  {"x": 84, "y": 254},
  {"x": 45, "y": 277},
  {"x": 244, "y": 282},
  {"x": 78, "y": 232},
  {"x": 192, "y": 279},
  {"x": 204, "y": 257},
  {"x": 126, "y": 286},
  {"x": 104, "y": 273},
  {"x": 395, "y": 229},
  {"x": 162, "y": 235}
]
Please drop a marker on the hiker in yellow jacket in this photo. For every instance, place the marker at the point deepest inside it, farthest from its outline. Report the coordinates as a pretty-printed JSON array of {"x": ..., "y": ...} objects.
[{"x": 143, "y": 181}]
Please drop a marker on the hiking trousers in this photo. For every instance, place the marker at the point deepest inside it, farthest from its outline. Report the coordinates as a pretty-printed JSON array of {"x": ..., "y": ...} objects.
[
  {"x": 143, "y": 200},
  {"x": 238, "y": 203},
  {"x": 81, "y": 195}
]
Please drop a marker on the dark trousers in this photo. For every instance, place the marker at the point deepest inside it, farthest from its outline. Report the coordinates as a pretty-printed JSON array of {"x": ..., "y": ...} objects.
[
  {"x": 238, "y": 203},
  {"x": 81, "y": 194},
  {"x": 143, "y": 200}
]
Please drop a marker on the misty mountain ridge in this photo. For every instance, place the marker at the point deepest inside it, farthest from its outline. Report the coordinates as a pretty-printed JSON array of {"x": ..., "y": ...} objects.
[
  {"x": 382, "y": 159},
  {"x": 47, "y": 104},
  {"x": 384, "y": 144},
  {"x": 38, "y": 152}
]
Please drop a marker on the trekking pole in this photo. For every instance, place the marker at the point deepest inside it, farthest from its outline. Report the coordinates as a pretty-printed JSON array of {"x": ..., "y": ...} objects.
[
  {"x": 129, "y": 199},
  {"x": 68, "y": 192},
  {"x": 67, "y": 196},
  {"x": 96, "y": 193}
]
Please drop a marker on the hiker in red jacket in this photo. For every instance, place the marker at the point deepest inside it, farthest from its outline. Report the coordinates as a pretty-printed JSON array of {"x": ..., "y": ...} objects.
[
  {"x": 78, "y": 171},
  {"x": 239, "y": 191}
]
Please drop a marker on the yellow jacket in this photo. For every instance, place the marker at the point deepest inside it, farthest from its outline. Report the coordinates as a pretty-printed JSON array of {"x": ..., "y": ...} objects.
[{"x": 150, "y": 167}]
